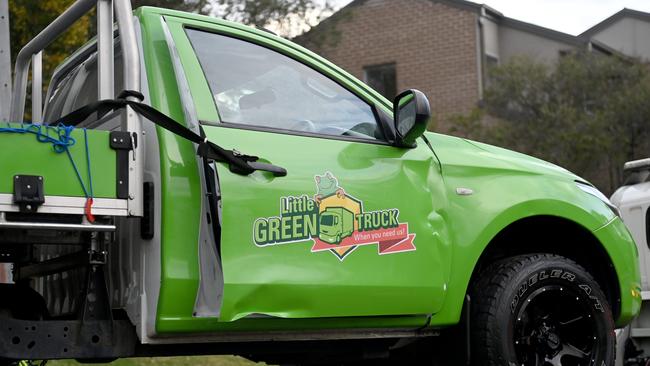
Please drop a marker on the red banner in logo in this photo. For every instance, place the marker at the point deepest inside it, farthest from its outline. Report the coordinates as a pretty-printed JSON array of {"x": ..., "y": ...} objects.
[{"x": 392, "y": 240}]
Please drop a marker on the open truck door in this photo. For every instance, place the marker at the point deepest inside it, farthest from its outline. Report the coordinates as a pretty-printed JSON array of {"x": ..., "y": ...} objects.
[{"x": 275, "y": 259}]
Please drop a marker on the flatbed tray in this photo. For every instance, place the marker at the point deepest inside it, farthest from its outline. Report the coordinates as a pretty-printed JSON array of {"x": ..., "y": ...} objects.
[{"x": 23, "y": 155}]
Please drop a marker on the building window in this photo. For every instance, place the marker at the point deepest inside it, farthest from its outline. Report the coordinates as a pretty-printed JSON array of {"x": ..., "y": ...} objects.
[
  {"x": 490, "y": 63},
  {"x": 382, "y": 78},
  {"x": 565, "y": 53}
]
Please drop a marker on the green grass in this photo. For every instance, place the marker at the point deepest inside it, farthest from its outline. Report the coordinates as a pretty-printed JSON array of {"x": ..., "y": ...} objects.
[{"x": 169, "y": 361}]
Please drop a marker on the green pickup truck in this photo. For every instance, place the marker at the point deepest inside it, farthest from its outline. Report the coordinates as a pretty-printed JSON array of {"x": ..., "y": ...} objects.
[{"x": 195, "y": 210}]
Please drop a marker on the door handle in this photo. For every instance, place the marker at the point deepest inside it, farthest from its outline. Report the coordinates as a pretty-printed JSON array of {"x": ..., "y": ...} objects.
[{"x": 276, "y": 170}]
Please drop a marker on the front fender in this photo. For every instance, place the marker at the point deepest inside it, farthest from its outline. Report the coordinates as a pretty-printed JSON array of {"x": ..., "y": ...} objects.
[
  {"x": 581, "y": 209},
  {"x": 624, "y": 255}
]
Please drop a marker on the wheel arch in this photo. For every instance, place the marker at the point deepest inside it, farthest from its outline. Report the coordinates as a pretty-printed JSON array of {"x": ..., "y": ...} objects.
[{"x": 555, "y": 235}]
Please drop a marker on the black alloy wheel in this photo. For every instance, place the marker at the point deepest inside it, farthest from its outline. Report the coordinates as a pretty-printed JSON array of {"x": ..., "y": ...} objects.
[{"x": 540, "y": 310}]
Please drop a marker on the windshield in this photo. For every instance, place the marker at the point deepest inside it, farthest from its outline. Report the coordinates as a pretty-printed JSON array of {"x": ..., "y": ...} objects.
[
  {"x": 254, "y": 85},
  {"x": 327, "y": 220}
]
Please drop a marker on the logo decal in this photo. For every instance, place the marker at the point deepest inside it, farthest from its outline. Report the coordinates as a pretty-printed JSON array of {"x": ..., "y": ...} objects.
[{"x": 334, "y": 221}]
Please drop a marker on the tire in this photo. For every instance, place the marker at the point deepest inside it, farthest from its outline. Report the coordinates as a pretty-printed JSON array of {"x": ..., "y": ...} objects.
[{"x": 539, "y": 310}]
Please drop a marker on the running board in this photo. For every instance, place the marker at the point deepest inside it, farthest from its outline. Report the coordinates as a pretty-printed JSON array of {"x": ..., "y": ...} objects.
[{"x": 319, "y": 335}]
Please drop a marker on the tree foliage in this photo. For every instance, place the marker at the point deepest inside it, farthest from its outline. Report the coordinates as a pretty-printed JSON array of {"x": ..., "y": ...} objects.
[
  {"x": 192, "y": 6},
  {"x": 588, "y": 113},
  {"x": 287, "y": 17},
  {"x": 28, "y": 17}
]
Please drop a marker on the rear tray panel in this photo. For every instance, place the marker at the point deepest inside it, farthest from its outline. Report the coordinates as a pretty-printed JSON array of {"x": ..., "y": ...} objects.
[{"x": 23, "y": 154}]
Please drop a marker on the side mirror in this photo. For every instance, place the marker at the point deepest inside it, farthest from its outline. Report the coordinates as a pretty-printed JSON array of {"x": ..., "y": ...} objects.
[{"x": 412, "y": 115}]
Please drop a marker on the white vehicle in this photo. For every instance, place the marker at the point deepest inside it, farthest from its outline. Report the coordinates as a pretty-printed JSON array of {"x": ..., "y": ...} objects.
[{"x": 633, "y": 201}]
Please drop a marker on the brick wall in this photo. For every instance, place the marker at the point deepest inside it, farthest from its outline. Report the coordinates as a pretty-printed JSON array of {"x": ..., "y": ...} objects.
[{"x": 433, "y": 46}]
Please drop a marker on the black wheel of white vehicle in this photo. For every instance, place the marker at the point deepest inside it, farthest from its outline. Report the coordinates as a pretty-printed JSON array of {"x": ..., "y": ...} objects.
[{"x": 540, "y": 310}]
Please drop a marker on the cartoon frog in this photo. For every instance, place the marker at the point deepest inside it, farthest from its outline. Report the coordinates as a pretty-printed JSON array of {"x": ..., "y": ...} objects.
[{"x": 327, "y": 185}]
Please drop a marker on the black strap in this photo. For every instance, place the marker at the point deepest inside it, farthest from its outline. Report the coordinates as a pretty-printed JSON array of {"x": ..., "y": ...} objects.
[{"x": 237, "y": 163}]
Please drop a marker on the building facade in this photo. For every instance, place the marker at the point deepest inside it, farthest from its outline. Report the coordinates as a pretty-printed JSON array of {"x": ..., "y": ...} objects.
[
  {"x": 445, "y": 47},
  {"x": 388, "y": 44},
  {"x": 627, "y": 32}
]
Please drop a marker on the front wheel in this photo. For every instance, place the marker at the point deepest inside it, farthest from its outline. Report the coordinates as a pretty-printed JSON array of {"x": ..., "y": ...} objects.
[{"x": 540, "y": 310}]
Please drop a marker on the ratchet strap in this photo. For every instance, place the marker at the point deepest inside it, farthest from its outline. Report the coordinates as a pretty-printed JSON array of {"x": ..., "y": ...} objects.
[{"x": 237, "y": 163}]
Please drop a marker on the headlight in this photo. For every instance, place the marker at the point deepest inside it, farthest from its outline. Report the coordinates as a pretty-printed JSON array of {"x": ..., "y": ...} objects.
[{"x": 596, "y": 193}]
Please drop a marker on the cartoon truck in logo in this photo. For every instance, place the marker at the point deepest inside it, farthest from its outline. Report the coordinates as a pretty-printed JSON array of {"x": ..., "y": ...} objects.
[{"x": 336, "y": 223}]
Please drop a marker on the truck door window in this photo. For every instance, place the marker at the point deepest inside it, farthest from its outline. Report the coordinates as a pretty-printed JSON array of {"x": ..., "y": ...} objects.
[
  {"x": 257, "y": 86},
  {"x": 60, "y": 93},
  {"x": 79, "y": 86}
]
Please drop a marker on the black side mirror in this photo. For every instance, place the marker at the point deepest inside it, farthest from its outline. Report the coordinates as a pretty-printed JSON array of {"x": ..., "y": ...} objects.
[{"x": 412, "y": 115}]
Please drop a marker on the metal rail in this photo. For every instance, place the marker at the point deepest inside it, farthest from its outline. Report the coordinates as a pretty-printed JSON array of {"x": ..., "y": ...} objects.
[
  {"x": 132, "y": 122},
  {"x": 131, "y": 64},
  {"x": 37, "y": 87},
  {"x": 129, "y": 44},
  {"x": 130, "y": 51},
  {"x": 105, "y": 74},
  {"x": 5, "y": 62},
  {"x": 4, "y": 224},
  {"x": 36, "y": 45}
]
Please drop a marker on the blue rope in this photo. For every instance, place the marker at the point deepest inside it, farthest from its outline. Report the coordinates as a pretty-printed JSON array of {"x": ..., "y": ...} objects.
[
  {"x": 90, "y": 174},
  {"x": 60, "y": 138},
  {"x": 76, "y": 170}
]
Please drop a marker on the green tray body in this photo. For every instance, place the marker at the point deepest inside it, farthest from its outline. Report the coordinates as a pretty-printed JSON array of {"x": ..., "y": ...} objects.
[{"x": 23, "y": 154}]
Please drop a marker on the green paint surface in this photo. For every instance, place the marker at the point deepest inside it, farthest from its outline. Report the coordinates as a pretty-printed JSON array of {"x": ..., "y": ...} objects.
[
  {"x": 288, "y": 279},
  {"x": 23, "y": 154},
  {"x": 180, "y": 184}
]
